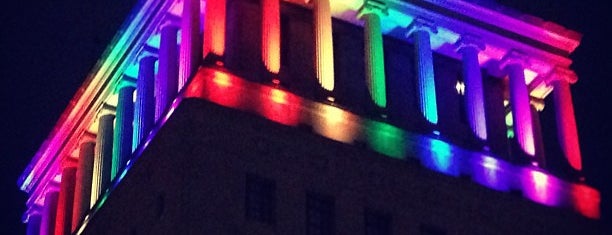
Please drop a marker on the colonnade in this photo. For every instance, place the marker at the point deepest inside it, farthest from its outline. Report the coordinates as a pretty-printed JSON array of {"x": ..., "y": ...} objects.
[{"x": 103, "y": 158}]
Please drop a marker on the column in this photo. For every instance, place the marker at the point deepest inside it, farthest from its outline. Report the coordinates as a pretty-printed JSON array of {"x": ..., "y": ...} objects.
[
  {"x": 122, "y": 140},
  {"x": 324, "y": 48},
  {"x": 190, "y": 51},
  {"x": 469, "y": 47},
  {"x": 567, "y": 133},
  {"x": 420, "y": 31},
  {"x": 167, "y": 74},
  {"x": 214, "y": 28},
  {"x": 371, "y": 12},
  {"x": 145, "y": 102},
  {"x": 47, "y": 223},
  {"x": 82, "y": 191},
  {"x": 65, "y": 201},
  {"x": 514, "y": 64},
  {"x": 102, "y": 157},
  {"x": 270, "y": 35},
  {"x": 33, "y": 224}
]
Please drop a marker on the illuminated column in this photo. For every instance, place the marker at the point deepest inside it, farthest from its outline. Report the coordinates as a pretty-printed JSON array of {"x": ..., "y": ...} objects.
[
  {"x": 102, "y": 157},
  {"x": 47, "y": 224},
  {"x": 82, "y": 191},
  {"x": 122, "y": 141},
  {"x": 324, "y": 43},
  {"x": 567, "y": 132},
  {"x": 469, "y": 47},
  {"x": 420, "y": 31},
  {"x": 167, "y": 74},
  {"x": 514, "y": 64},
  {"x": 370, "y": 12},
  {"x": 145, "y": 101},
  {"x": 65, "y": 201},
  {"x": 190, "y": 54},
  {"x": 214, "y": 28},
  {"x": 270, "y": 35},
  {"x": 33, "y": 224}
]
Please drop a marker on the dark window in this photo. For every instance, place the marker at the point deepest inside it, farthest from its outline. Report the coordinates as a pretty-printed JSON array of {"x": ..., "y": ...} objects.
[
  {"x": 377, "y": 223},
  {"x": 260, "y": 199},
  {"x": 427, "y": 229},
  {"x": 319, "y": 214}
]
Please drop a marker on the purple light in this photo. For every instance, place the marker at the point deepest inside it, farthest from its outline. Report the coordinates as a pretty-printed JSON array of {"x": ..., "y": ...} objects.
[{"x": 490, "y": 172}]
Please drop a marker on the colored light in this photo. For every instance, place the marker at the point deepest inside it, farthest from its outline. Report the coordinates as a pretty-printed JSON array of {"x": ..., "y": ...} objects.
[
  {"x": 386, "y": 139},
  {"x": 541, "y": 187},
  {"x": 586, "y": 200},
  {"x": 437, "y": 155},
  {"x": 214, "y": 28},
  {"x": 271, "y": 35},
  {"x": 324, "y": 49},
  {"x": 278, "y": 96},
  {"x": 221, "y": 79},
  {"x": 334, "y": 123},
  {"x": 489, "y": 172},
  {"x": 567, "y": 132},
  {"x": 425, "y": 74},
  {"x": 521, "y": 109},
  {"x": 219, "y": 87},
  {"x": 279, "y": 106},
  {"x": 375, "y": 59}
]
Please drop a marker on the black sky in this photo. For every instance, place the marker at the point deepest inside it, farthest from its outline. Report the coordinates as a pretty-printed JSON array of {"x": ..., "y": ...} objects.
[{"x": 48, "y": 48}]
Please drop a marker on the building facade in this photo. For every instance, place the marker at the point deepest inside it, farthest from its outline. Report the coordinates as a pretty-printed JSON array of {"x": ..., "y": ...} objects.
[{"x": 318, "y": 117}]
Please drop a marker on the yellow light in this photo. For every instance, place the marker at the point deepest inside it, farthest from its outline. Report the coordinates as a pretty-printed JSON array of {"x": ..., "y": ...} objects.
[
  {"x": 278, "y": 96},
  {"x": 222, "y": 79}
]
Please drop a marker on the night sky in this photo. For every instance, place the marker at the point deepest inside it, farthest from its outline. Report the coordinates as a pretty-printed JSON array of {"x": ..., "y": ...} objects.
[{"x": 49, "y": 47}]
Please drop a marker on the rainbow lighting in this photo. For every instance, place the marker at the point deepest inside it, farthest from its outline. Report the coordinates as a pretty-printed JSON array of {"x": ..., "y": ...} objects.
[{"x": 184, "y": 46}]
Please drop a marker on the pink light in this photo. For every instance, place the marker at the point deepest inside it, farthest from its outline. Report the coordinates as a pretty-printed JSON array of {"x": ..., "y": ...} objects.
[{"x": 541, "y": 187}]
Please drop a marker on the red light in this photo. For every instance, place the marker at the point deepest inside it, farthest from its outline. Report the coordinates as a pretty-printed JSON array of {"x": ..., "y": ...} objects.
[
  {"x": 276, "y": 81},
  {"x": 586, "y": 200},
  {"x": 219, "y": 63}
]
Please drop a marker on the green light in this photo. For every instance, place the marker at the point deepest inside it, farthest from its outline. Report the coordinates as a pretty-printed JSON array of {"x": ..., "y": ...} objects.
[
  {"x": 375, "y": 60},
  {"x": 386, "y": 139}
]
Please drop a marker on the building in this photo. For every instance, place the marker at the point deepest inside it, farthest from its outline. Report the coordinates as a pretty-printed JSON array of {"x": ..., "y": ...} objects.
[{"x": 318, "y": 117}]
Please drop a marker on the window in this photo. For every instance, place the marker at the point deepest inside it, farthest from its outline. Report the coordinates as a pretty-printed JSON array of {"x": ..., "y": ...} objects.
[
  {"x": 377, "y": 223},
  {"x": 427, "y": 229},
  {"x": 319, "y": 214},
  {"x": 260, "y": 203}
]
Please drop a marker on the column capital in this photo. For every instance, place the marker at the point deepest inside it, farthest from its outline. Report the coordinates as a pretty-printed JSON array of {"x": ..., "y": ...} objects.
[
  {"x": 561, "y": 74},
  {"x": 170, "y": 24},
  {"x": 87, "y": 137},
  {"x": 514, "y": 57},
  {"x": 378, "y": 7},
  {"x": 469, "y": 40},
  {"x": 126, "y": 81},
  {"x": 422, "y": 24}
]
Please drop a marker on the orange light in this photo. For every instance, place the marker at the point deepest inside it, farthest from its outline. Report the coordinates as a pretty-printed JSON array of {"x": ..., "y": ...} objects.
[{"x": 271, "y": 35}]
